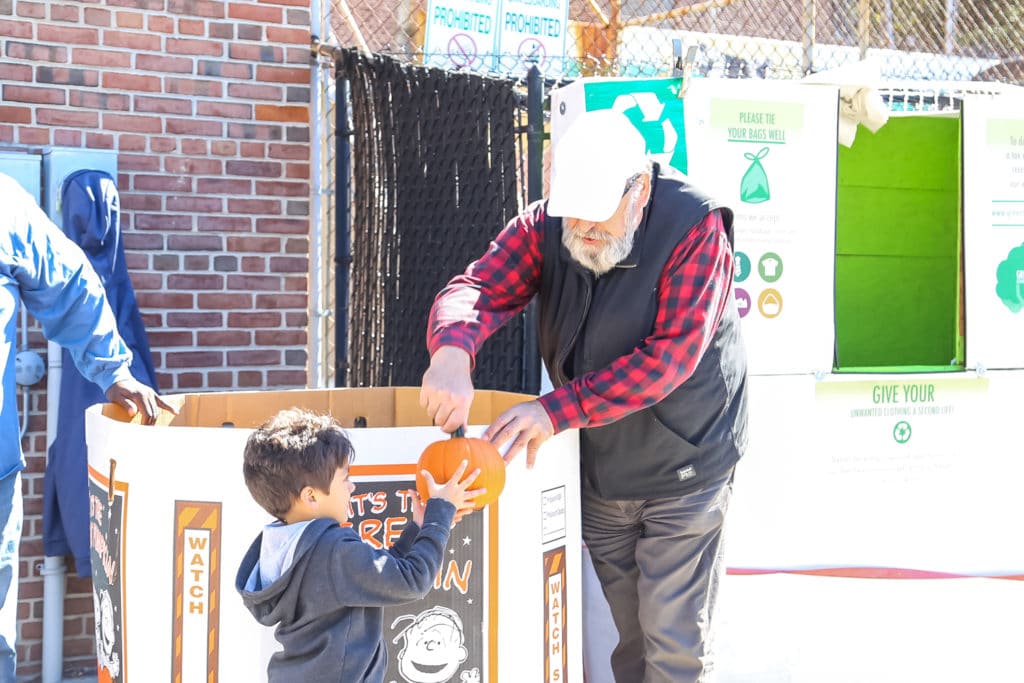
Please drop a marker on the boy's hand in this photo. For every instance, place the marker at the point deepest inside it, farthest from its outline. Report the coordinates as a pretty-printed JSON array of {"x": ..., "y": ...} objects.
[
  {"x": 455, "y": 489},
  {"x": 418, "y": 507}
]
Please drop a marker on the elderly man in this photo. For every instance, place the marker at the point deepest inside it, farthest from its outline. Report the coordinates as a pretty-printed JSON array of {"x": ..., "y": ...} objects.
[
  {"x": 632, "y": 269},
  {"x": 49, "y": 274}
]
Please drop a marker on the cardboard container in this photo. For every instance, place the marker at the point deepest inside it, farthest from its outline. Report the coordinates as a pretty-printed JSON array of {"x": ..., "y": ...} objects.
[{"x": 171, "y": 519}]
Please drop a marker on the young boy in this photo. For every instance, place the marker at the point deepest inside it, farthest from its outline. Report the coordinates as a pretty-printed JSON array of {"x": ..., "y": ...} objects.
[{"x": 313, "y": 576}]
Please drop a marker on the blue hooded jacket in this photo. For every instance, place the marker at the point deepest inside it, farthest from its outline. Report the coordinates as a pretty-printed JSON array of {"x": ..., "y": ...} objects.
[{"x": 91, "y": 215}]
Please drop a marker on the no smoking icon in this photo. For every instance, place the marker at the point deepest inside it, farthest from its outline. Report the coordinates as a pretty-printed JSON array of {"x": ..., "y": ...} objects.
[
  {"x": 532, "y": 50},
  {"x": 462, "y": 50}
]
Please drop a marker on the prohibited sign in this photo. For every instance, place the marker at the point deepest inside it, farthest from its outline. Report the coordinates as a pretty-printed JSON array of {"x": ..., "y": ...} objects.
[{"x": 462, "y": 50}]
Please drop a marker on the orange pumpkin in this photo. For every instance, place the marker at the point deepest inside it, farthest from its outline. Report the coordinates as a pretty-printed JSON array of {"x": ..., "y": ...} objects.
[{"x": 442, "y": 458}]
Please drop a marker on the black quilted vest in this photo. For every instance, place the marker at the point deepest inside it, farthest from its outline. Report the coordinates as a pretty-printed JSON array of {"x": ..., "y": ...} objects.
[{"x": 697, "y": 432}]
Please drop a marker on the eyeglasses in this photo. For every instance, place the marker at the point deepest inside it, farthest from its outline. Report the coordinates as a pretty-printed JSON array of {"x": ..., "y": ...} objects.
[{"x": 631, "y": 182}]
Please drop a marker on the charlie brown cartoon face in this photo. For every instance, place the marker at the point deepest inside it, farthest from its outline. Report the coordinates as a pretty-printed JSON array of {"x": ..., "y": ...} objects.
[{"x": 433, "y": 646}]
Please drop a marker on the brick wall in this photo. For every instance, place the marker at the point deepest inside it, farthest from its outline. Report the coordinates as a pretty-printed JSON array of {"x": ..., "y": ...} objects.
[{"x": 206, "y": 103}]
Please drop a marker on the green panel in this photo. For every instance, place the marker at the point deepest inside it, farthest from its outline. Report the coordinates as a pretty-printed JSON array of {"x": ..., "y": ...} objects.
[
  {"x": 895, "y": 311},
  {"x": 917, "y": 151},
  {"x": 898, "y": 245},
  {"x": 879, "y": 220}
]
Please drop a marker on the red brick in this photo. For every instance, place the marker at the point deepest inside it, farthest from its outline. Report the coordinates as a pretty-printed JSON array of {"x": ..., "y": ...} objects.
[
  {"x": 67, "y": 13},
  {"x": 195, "y": 146},
  {"x": 162, "y": 183},
  {"x": 163, "y": 145},
  {"x": 67, "y": 138},
  {"x": 34, "y": 10},
  {"x": 10, "y": 72},
  {"x": 37, "y": 52},
  {"x": 225, "y": 148},
  {"x": 294, "y": 36},
  {"x": 258, "y": 13},
  {"x": 90, "y": 99},
  {"x": 64, "y": 117},
  {"x": 253, "y": 131},
  {"x": 195, "y": 282},
  {"x": 254, "y": 357},
  {"x": 147, "y": 281},
  {"x": 193, "y": 166},
  {"x": 131, "y": 20},
  {"x": 254, "y": 91},
  {"x": 241, "y": 71},
  {"x": 283, "y": 151},
  {"x": 94, "y": 16},
  {"x": 99, "y": 141},
  {"x": 253, "y": 150},
  {"x": 163, "y": 105},
  {"x": 193, "y": 86},
  {"x": 132, "y": 82},
  {"x": 264, "y": 301},
  {"x": 129, "y": 142},
  {"x": 187, "y": 46},
  {"x": 161, "y": 24},
  {"x": 258, "y": 52},
  {"x": 281, "y": 189},
  {"x": 254, "y": 169},
  {"x": 266, "y": 283},
  {"x": 132, "y": 124},
  {"x": 282, "y": 74},
  {"x": 224, "y": 224},
  {"x": 291, "y": 114},
  {"x": 250, "y": 378},
  {"x": 25, "y": 93},
  {"x": 194, "y": 359},
  {"x": 266, "y": 245},
  {"x": 34, "y": 136},
  {"x": 225, "y": 338},
  {"x": 132, "y": 40},
  {"x": 289, "y": 264},
  {"x": 15, "y": 114},
  {"x": 14, "y": 29},
  {"x": 227, "y": 110},
  {"x": 254, "y": 319},
  {"x": 280, "y": 337},
  {"x": 162, "y": 221},
  {"x": 254, "y": 264},
  {"x": 162, "y": 64},
  {"x": 191, "y": 27},
  {"x": 166, "y": 338},
  {"x": 223, "y": 186},
  {"x": 139, "y": 162},
  {"x": 286, "y": 378},
  {"x": 195, "y": 127},
  {"x": 93, "y": 57},
  {"x": 67, "y": 34},
  {"x": 196, "y": 243},
  {"x": 221, "y": 380},
  {"x": 195, "y": 320},
  {"x": 195, "y": 203},
  {"x": 172, "y": 300},
  {"x": 211, "y": 10},
  {"x": 254, "y": 206},
  {"x": 282, "y": 225},
  {"x": 224, "y": 300}
]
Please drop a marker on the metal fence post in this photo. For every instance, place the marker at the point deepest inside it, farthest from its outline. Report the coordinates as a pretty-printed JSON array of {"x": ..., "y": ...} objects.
[
  {"x": 534, "y": 191},
  {"x": 342, "y": 227}
]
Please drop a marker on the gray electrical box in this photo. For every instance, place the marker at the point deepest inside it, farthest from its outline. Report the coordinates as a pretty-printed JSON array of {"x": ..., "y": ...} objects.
[{"x": 60, "y": 162}]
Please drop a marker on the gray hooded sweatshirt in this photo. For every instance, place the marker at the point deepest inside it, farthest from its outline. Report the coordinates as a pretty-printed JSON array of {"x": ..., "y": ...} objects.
[{"x": 325, "y": 589}]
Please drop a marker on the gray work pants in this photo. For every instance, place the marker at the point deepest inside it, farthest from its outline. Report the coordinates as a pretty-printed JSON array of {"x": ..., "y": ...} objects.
[{"x": 659, "y": 562}]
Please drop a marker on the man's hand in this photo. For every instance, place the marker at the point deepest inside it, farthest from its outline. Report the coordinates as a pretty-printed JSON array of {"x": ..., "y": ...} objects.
[
  {"x": 528, "y": 423},
  {"x": 134, "y": 396},
  {"x": 447, "y": 390}
]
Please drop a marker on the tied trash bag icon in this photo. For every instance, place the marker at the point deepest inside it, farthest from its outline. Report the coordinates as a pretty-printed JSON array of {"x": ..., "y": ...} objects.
[{"x": 754, "y": 185}]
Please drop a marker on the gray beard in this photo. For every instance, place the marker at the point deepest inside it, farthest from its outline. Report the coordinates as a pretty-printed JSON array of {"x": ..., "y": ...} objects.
[{"x": 599, "y": 258}]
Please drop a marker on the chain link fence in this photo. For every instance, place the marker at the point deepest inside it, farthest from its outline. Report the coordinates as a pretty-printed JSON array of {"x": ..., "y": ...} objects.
[{"x": 911, "y": 39}]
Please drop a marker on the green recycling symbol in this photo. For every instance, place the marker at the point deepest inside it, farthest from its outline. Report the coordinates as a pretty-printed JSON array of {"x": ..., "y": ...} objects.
[
  {"x": 1010, "y": 280},
  {"x": 902, "y": 431},
  {"x": 754, "y": 185},
  {"x": 659, "y": 120}
]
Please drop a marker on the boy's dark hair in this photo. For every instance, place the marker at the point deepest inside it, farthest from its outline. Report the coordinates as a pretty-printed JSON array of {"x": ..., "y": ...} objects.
[{"x": 294, "y": 449}]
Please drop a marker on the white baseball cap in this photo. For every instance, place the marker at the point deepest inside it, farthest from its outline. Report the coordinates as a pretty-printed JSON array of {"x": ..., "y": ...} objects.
[{"x": 590, "y": 164}]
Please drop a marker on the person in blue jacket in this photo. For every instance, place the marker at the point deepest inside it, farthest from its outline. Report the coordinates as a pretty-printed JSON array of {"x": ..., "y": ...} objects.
[{"x": 51, "y": 276}]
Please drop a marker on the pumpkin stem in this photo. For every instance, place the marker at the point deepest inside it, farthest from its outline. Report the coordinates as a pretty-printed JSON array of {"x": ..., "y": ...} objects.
[{"x": 459, "y": 433}]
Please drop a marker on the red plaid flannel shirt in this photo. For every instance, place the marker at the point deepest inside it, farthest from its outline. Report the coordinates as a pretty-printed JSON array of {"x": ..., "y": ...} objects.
[{"x": 693, "y": 291}]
